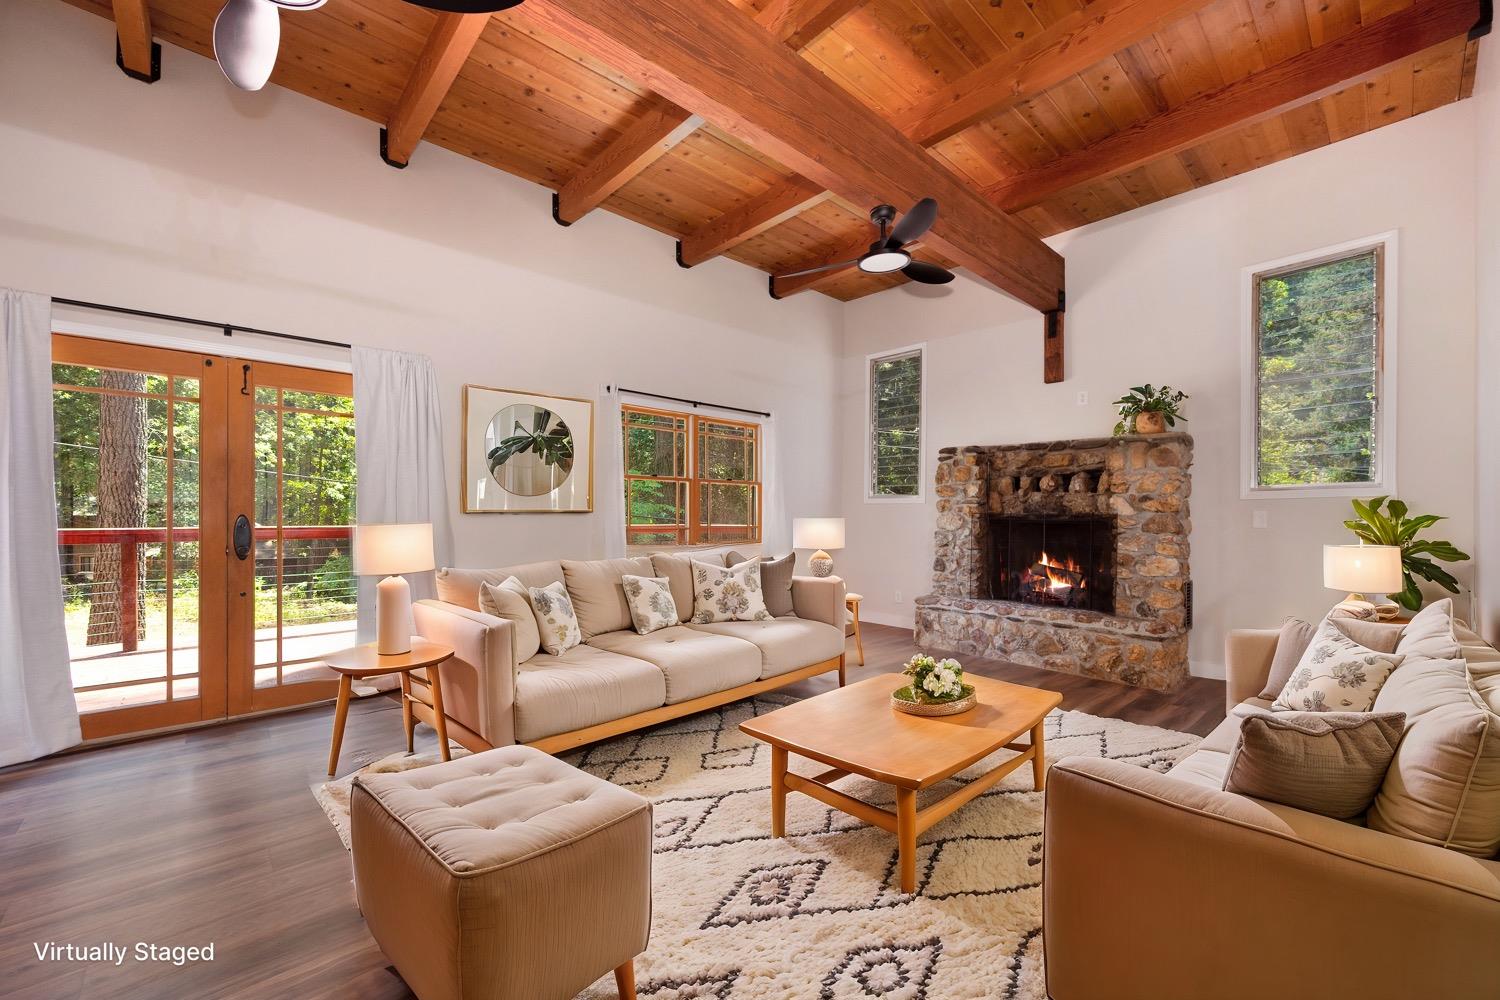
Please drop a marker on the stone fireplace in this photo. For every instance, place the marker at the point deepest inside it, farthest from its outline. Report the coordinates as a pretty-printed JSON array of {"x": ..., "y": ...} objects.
[{"x": 1068, "y": 555}]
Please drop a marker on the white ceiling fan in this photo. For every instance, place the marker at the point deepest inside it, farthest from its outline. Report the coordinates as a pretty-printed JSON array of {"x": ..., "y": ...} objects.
[{"x": 247, "y": 35}]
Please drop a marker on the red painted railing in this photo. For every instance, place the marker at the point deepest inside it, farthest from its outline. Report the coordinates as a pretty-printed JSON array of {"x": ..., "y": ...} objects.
[{"x": 130, "y": 538}]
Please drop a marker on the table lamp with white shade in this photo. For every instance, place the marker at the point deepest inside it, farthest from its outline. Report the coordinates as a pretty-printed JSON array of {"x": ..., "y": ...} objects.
[
  {"x": 390, "y": 550},
  {"x": 1361, "y": 570},
  {"x": 818, "y": 533}
]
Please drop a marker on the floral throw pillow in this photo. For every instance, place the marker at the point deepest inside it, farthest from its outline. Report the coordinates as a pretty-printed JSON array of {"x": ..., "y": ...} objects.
[
  {"x": 555, "y": 618},
  {"x": 728, "y": 593},
  {"x": 650, "y": 600},
  {"x": 1336, "y": 674}
]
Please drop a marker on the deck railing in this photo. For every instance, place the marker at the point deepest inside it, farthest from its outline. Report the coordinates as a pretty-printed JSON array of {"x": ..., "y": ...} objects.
[{"x": 130, "y": 540}]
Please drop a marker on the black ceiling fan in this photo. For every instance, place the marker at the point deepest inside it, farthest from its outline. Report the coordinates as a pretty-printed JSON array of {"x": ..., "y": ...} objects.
[{"x": 886, "y": 254}]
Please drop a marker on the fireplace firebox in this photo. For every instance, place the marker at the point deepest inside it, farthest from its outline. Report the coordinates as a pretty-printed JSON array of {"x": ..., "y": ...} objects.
[{"x": 1063, "y": 561}]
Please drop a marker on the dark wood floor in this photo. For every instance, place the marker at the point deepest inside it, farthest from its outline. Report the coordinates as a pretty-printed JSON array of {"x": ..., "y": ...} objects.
[{"x": 214, "y": 836}]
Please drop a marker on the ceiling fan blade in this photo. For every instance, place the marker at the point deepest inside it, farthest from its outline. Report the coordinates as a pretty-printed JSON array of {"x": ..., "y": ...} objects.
[
  {"x": 815, "y": 270},
  {"x": 927, "y": 274},
  {"x": 916, "y": 222}
]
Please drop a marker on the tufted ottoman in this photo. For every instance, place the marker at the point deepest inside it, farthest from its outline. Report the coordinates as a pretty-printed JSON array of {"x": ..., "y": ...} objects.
[{"x": 506, "y": 875}]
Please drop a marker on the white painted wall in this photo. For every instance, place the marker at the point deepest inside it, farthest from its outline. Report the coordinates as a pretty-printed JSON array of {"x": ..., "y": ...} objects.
[
  {"x": 1154, "y": 295},
  {"x": 274, "y": 210},
  {"x": 1487, "y": 391}
]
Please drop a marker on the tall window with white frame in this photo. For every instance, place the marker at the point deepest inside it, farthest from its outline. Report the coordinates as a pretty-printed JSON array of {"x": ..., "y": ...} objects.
[
  {"x": 1318, "y": 377},
  {"x": 895, "y": 409}
]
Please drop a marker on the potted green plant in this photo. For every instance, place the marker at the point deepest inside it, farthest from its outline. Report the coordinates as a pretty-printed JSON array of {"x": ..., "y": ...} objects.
[
  {"x": 1393, "y": 526},
  {"x": 1146, "y": 409}
]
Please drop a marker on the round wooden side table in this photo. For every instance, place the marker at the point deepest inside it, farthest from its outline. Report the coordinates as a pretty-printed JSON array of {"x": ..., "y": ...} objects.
[
  {"x": 362, "y": 661},
  {"x": 851, "y": 601}
]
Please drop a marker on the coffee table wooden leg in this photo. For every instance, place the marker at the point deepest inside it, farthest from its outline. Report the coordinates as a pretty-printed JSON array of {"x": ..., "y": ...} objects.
[
  {"x": 778, "y": 792},
  {"x": 1038, "y": 756},
  {"x": 340, "y": 713},
  {"x": 408, "y": 724},
  {"x": 439, "y": 720},
  {"x": 906, "y": 837}
]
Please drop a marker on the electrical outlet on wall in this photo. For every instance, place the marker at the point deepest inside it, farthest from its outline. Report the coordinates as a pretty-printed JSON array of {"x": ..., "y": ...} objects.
[
  {"x": 1083, "y": 397},
  {"x": 898, "y": 597},
  {"x": 1259, "y": 519}
]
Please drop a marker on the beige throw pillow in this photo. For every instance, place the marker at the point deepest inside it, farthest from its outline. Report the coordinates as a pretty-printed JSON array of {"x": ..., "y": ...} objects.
[
  {"x": 727, "y": 594},
  {"x": 511, "y": 601},
  {"x": 1335, "y": 674},
  {"x": 555, "y": 618},
  {"x": 1296, "y": 635},
  {"x": 1330, "y": 763},
  {"x": 1443, "y": 787},
  {"x": 651, "y": 604}
]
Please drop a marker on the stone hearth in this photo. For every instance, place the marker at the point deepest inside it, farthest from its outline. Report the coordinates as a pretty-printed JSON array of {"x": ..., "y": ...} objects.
[{"x": 1142, "y": 481}]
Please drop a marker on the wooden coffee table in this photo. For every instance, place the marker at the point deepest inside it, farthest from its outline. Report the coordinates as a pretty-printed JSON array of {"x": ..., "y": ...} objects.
[{"x": 854, "y": 730}]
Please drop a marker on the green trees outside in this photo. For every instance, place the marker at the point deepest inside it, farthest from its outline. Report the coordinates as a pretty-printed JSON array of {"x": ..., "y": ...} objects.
[
  {"x": 1318, "y": 355},
  {"x": 658, "y": 478},
  {"x": 111, "y": 455},
  {"x": 896, "y": 412}
]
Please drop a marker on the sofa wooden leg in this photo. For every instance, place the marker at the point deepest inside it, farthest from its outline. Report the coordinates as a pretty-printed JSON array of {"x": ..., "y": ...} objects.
[
  {"x": 625, "y": 980},
  {"x": 841, "y": 670}
]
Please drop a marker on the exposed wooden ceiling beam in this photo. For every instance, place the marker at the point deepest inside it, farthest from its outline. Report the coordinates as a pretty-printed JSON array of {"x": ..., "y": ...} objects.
[
  {"x": 793, "y": 22},
  {"x": 663, "y": 126},
  {"x": 798, "y": 22},
  {"x": 780, "y": 202},
  {"x": 1067, "y": 46},
  {"x": 447, "y": 49},
  {"x": 713, "y": 58},
  {"x": 1316, "y": 73},
  {"x": 782, "y": 287},
  {"x": 136, "y": 53}
]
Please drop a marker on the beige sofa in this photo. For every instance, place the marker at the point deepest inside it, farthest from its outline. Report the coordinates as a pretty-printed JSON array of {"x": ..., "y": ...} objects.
[
  {"x": 1164, "y": 886},
  {"x": 617, "y": 680}
]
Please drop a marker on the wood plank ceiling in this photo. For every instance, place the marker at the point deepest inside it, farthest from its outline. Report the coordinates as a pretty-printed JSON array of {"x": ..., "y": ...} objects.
[{"x": 1060, "y": 113}]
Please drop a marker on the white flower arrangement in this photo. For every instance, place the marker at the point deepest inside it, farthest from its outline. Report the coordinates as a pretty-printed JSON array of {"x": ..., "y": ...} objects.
[{"x": 933, "y": 680}]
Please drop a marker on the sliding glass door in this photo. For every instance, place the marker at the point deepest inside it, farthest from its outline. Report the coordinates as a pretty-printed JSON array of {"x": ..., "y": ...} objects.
[{"x": 204, "y": 507}]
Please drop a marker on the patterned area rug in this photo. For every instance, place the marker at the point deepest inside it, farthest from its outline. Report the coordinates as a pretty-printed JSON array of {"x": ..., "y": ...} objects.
[{"x": 740, "y": 915}]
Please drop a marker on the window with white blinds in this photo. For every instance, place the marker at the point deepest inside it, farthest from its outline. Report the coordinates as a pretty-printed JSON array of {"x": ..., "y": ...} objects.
[
  {"x": 895, "y": 393},
  {"x": 1319, "y": 353}
]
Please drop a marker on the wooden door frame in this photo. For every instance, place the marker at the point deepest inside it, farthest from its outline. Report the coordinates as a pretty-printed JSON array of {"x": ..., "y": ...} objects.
[
  {"x": 244, "y": 697},
  {"x": 211, "y": 373}
]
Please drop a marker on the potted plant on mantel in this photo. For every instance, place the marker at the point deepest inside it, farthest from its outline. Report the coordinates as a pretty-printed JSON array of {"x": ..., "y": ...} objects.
[{"x": 1146, "y": 409}]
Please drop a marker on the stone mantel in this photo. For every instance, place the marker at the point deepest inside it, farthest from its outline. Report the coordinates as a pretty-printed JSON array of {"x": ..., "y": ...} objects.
[{"x": 1142, "y": 481}]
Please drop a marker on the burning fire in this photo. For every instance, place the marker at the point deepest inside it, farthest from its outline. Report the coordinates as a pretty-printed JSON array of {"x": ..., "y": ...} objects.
[{"x": 1059, "y": 577}]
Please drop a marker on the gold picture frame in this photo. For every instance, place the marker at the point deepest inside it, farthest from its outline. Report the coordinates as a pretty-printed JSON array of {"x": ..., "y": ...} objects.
[{"x": 527, "y": 482}]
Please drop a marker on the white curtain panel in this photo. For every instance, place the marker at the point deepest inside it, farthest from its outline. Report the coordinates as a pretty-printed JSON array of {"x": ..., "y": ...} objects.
[
  {"x": 776, "y": 529},
  {"x": 37, "y": 713},
  {"x": 609, "y": 503},
  {"x": 398, "y": 460}
]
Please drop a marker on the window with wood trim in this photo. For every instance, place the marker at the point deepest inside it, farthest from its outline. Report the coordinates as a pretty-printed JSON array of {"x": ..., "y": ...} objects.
[
  {"x": 895, "y": 405},
  {"x": 690, "y": 479},
  {"x": 1319, "y": 387}
]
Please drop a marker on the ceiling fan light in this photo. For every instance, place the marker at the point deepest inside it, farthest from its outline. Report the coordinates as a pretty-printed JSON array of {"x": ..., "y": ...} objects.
[
  {"x": 299, "y": 4},
  {"x": 884, "y": 261},
  {"x": 467, "y": 6},
  {"x": 247, "y": 34}
]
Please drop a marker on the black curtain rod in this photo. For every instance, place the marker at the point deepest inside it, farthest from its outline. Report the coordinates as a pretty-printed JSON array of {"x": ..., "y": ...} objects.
[
  {"x": 229, "y": 329},
  {"x": 695, "y": 403}
]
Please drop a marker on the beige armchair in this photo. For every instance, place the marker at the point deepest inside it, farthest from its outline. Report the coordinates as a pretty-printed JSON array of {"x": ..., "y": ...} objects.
[{"x": 1162, "y": 886}]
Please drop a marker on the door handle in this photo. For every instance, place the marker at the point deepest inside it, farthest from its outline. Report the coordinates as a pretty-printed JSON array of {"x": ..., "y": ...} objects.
[{"x": 242, "y": 537}]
